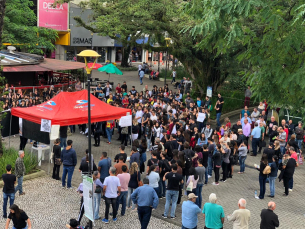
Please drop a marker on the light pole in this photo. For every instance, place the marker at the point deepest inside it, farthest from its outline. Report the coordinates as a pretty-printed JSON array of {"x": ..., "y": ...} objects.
[
  {"x": 87, "y": 54},
  {"x": 167, "y": 40}
]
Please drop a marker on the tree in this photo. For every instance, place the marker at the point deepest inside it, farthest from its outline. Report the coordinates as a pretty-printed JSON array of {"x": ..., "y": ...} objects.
[
  {"x": 270, "y": 34},
  {"x": 20, "y": 28}
]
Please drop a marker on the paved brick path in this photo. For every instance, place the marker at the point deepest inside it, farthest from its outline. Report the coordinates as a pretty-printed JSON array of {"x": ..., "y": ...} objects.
[{"x": 289, "y": 209}]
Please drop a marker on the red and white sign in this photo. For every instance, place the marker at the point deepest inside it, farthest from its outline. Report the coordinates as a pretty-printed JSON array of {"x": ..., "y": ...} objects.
[{"x": 53, "y": 17}]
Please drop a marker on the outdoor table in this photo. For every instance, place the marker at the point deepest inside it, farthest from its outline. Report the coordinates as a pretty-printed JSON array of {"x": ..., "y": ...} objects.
[{"x": 41, "y": 151}]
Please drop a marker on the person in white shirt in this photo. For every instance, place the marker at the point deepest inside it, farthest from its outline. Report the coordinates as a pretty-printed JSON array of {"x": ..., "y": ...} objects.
[
  {"x": 153, "y": 116},
  {"x": 174, "y": 73},
  {"x": 154, "y": 178},
  {"x": 139, "y": 115},
  {"x": 240, "y": 217}
]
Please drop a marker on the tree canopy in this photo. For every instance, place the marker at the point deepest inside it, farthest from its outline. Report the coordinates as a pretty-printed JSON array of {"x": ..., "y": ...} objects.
[
  {"x": 20, "y": 28},
  {"x": 271, "y": 37}
]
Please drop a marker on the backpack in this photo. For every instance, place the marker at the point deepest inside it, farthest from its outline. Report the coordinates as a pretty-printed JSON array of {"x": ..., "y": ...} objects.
[
  {"x": 156, "y": 164},
  {"x": 165, "y": 166}
]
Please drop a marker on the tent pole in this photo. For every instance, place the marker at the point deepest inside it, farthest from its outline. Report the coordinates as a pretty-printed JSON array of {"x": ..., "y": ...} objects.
[{"x": 89, "y": 133}]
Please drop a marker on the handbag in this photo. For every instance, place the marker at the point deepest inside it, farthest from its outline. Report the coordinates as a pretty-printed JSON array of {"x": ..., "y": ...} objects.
[
  {"x": 140, "y": 183},
  {"x": 124, "y": 130},
  {"x": 98, "y": 189},
  {"x": 58, "y": 161},
  {"x": 300, "y": 159},
  {"x": 267, "y": 170},
  {"x": 190, "y": 186}
]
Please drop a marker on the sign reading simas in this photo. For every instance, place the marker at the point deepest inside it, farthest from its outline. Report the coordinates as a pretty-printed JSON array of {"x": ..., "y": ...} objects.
[{"x": 78, "y": 40}]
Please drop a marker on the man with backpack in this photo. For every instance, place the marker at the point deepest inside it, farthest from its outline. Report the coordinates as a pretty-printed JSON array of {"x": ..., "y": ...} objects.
[{"x": 164, "y": 168}]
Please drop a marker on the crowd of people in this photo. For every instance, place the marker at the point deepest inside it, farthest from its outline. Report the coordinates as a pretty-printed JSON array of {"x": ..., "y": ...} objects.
[{"x": 185, "y": 151}]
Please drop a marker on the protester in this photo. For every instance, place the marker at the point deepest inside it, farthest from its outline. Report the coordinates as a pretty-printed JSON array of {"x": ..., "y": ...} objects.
[
  {"x": 69, "y": 160},
  {"x": 242, "y": 154},
  {"x": 97, "y": 194},
  {"x": 289, "y": 165},
  {"x": 104, "y": 166},
  {"x": 119, "y": 166},
  {"x": 240, "y": 217},
  {"x": 273, "y": 175},
  {"x": 213, "y": 213},
  {"x": 146, "y": 198},
  {"x": 9, "y": 181},
  {"x": 111, "y": 190},
  {"x": 190, "y": 212},
  {"x": 56, "y": 159},
  {"x": 217, "y": 163},
  {"x": 19, "y": 218},
  {"x": 202, "y": 173},
  {"x": 124, "y": 181},
  {"x": 19, "y": 172},
  {"x": 135, "y": 177},
  {"x": 269, "y": 220},
  {"x": 262, "y": 176},
  {"x": 172, "y": 192}
]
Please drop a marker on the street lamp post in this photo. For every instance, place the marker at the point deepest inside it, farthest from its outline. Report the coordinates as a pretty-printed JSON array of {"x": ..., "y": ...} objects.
[
  {"x": 167, "y": 40},
  {"x": 86, "y": 54}
]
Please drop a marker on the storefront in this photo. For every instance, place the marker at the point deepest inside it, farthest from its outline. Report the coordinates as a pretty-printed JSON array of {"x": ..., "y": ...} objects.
[{"x": 82, "y": 38}]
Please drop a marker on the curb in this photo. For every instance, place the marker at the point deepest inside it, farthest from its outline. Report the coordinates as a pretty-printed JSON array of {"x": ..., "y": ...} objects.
[
  {"x": 229, "y": 114},
  {"x": 31, "y": 176}
]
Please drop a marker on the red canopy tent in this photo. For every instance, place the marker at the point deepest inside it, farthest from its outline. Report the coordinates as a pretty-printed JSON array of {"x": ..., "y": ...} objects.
[{"x": 70, "y": 108}]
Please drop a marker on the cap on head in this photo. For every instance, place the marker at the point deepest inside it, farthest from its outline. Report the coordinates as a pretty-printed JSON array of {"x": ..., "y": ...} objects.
[{"x": 191, "y": 196}]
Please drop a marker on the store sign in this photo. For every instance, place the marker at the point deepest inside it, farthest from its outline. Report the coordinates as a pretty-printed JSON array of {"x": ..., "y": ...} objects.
[
  {"x": 53, "y": 17},
  {"x": 82, "y": 40}
]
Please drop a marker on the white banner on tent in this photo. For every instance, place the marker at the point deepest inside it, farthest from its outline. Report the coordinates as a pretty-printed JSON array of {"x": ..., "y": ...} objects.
[
  {"x": 125, "y": 121},
  {"x": 45, "y": 125},
  {"x": 54, "y": 132},
  {"x": 201, "y": 117}
]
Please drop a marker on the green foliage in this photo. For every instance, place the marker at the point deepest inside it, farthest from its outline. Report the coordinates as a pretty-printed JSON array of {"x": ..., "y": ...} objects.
[
  {"x": 268, "y": 39},
  {"x": 9, "y": 157},
  {"x": 180, "y": 70},
  {"x": 20, "y": 28},
  {"x": 234, "y": 83}
]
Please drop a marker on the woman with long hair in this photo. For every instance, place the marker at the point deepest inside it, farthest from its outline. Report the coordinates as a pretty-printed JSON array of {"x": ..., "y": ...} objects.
[
  {"x": 273, "y": 175},
  {"x": 262, "y": 177},
  {"x": 19, "y": 218},
  {"x": 97, "y": 194},
  {"x": 202, "y": 140},
  {"x": 194, "y": 178},
  {"x": 56, "y": 159},
  {"x": 277, "y": 150},
  {"x": 135, "y": 177},
  {"x": 217, "y": 164},
  {"x": 135, "y": 129}
]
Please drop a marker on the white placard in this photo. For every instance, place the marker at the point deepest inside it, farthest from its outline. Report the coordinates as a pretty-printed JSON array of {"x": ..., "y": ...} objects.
[
  {"x": 54, "y": 132},
  {"x": 201, "y": 117},
  {"x": 125, "y": 121},
  {"x": 45, "y": 125},
  {"x": 209, "y": 91},
  {"x": 88, "y": 197}
]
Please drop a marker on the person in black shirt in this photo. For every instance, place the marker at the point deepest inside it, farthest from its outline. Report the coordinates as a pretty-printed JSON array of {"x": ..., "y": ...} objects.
[
  {"x": 56, "y": 159},
  {"x": 220, "y": 99},
  {"x": 172, "y": 192},
  {"x": 153, "y": 161},
  {"x": 288, "y": 171},
  {"x": 290, "y": 129},
  {"x": 124, "y": 86},
  {"x": 19, "y": 218},
  {"x": 262, "y": 176},
  {"x": 122, "y": 153},
  {"x": 63, "y": 136},
  {"x": 268, "y": 218},
  {"x": 218, "y": 108},
  {"x": 9, "y": 181},
  {"x": 175, "y": 144},
  {"x": 269, "y": 152}
]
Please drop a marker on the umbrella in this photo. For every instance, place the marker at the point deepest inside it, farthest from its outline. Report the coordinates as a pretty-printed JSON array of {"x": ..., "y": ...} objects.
[
  {"x": 96, "y": 65},
  {"x": 110, "y": 68}
]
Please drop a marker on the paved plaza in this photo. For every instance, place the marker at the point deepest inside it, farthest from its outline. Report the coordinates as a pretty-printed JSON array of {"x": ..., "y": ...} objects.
[{"x": 49, "y": 206}]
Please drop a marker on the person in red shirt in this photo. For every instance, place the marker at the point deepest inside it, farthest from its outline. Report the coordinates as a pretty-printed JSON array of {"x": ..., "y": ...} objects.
[
  {"x": 125, "y": 102},
  {"x": 286, "y": 130},
  {"x": 118, "y": 88}
]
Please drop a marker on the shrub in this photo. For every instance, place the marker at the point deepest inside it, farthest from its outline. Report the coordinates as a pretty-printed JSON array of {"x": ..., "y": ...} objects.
[
  {"x": 181, "y": 72},
  {"x": 9, "y": 157},
  {"x": 126, "y": 69}
]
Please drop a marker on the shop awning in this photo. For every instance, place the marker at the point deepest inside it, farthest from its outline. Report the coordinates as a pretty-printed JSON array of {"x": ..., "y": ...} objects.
[{"x": 46, "y": 66}]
